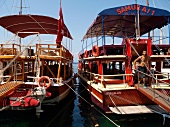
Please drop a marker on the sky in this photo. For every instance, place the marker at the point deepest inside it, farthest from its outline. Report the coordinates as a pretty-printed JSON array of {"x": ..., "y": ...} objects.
[{"x": 78, "y": 14}]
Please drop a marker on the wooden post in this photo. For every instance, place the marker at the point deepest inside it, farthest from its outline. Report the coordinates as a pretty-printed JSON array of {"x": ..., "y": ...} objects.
[
  {"x": 64, "y": 71},
  {"x": 23, "y": 70},
  {"x": 59, "y": 68},
  {"x": 50, "y": 70},
  {"x": 12, "y": 49},
  {"x": 42, "y": 72}
]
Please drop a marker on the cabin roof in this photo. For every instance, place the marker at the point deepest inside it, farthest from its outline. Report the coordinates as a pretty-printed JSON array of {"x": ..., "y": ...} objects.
[
  {"x": 120, "y": 21},
  {"x": 31, "y": 24}
]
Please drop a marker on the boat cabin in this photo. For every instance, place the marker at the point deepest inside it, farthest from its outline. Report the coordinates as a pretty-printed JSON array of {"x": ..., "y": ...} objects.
[{"x": 112, "y": 59}]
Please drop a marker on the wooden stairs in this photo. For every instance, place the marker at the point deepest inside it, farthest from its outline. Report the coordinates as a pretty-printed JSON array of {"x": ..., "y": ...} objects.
[{"x": 155, "y": 95}]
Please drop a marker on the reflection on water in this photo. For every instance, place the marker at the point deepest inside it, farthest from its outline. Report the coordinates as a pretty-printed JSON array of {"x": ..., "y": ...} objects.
[{"x": 75, "y": 112}]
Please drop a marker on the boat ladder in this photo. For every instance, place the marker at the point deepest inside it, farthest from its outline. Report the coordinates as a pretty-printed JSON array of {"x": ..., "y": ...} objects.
[{"x": 155, "y": 95}]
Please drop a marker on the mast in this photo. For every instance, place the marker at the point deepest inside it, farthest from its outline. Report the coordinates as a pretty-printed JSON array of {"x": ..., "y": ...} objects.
[{"x": 20, "y": 12}]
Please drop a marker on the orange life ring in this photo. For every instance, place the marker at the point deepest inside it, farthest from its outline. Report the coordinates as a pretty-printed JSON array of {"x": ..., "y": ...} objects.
[
  {"x": 86, "y": 54},
  {"x": 80, "y": 65},
  {"x": 95, "y": 51},
  {"x": 44, "y": 84}
]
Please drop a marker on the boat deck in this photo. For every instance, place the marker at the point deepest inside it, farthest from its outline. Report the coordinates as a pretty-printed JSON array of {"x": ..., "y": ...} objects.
[
  {"x": 8, "y": 87},
  {"x": 136, "y": 109}
]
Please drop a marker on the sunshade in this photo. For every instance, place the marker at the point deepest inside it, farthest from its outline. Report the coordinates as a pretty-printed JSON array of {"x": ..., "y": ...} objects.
[
  {"x": 31, "y": 24},
  {"x": 121, "y": 21}
]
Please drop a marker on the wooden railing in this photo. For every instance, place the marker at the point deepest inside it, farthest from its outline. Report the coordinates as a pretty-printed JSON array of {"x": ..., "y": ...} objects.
[
  {"x": 9, "y": 49},
  {"x": 53, "y": 50},
  {"x": 106, "y": 78},
  {"x": 44, "y": 49}
]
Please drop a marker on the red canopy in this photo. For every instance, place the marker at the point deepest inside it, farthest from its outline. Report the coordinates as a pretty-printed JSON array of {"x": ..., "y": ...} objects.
[{"x": 31, "y": 24}]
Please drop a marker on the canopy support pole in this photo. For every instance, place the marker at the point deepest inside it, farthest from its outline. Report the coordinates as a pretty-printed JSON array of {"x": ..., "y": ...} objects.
[
  {"x": 103, "y": 37},
  {"x": 169, "y": 30}
]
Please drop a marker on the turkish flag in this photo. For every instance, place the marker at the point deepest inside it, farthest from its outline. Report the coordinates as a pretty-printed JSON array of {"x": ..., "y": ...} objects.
[{"x": 60, "y": 31}]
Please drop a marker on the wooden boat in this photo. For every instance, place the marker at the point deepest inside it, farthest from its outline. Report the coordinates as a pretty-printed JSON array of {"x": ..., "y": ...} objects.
[
  {"x": 106, "y": 64},
  {"x": 38, "y": 71}
]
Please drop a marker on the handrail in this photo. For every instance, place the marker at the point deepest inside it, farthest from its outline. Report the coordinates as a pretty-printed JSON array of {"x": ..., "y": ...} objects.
[
  {"x": 60, "y": 51},
  {"x": 151, "y": 76},
  {"x": 108, "y": 75},
  {"x": 103, "y": 79},
  {"x": 117, "y": 75}
]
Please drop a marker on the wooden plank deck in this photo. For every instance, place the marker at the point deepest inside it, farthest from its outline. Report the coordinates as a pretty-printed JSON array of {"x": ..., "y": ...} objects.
[
  {"x": 139, "y": 109},
  {"x": 156, "y": 96},
  {"x": 8, "y": 87}
]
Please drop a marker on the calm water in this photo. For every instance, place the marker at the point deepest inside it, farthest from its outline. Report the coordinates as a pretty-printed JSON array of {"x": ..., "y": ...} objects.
[{"x": 75, "y": 112}]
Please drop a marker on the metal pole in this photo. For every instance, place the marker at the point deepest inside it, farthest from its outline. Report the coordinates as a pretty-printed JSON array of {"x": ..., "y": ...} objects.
[
  {"x": 20, "y": 12},
  {"x": 147, "y": 4},
  {"x": 103, "y": 37},
  {"x": 169, "y": 30}
]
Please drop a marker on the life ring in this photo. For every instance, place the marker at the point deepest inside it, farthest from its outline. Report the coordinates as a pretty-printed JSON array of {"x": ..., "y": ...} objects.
[
  {"x": 95, "y": 51},
  {"x": 86, "y": 54},
  {"x": 44, "y": 84},
  {"x": 80, "y": 65}
]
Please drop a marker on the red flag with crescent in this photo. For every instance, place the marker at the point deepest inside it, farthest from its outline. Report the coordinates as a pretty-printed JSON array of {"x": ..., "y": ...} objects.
[{"x": 60, "y": 31}]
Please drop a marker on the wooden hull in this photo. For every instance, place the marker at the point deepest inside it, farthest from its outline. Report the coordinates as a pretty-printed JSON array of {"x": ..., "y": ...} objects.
[
  {"x": 53, "y": 94},
  {"x": 127, "y": 99},
  {"x": 58, "y": 93}
]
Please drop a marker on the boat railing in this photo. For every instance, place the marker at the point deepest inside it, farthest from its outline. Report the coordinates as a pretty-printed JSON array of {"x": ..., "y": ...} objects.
[
  {"x": 14, "y": 49},
  {"x": 9, "y": 49},
  {"x": 111, "y": 79},
  {"x": 53, "y": 50},
  {"x": 106, "y": 79},
  {"x": 159, "y": 78},
  {"x": 163, "y": 76},
  {"x": 45, "y": 49}
]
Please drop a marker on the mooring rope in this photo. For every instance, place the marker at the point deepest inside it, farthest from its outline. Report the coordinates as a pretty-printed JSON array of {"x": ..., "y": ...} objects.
[
  {"x": 61, "y": 111},
  {"x": 92, "y": 105}
]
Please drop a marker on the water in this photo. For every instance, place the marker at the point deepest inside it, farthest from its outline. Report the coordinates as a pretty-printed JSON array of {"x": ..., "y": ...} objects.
[{"x": 75, "y": 112}]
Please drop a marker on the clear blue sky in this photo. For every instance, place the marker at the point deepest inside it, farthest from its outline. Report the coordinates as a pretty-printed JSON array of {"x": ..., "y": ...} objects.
[{"x": 78, "y": 14}]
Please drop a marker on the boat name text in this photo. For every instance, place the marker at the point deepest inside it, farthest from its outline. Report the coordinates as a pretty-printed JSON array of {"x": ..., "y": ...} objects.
[
  {"x": 114, "y": 93},
  {"x": 145, "y": 10}
]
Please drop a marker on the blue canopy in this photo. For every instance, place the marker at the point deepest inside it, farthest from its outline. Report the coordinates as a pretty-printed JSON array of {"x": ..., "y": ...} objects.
[
  {"x": 121, "y": 21},
  {"x": 133, "y": 9}
]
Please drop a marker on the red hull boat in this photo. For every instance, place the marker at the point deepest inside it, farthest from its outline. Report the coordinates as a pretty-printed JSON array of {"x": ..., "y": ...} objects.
[
  {"x": 36, "y": 72},
  {"x": 106, "y": 64}
]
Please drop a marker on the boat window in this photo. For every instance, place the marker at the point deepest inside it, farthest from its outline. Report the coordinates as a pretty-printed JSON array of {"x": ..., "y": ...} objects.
[{"x": 166, "y": 64}]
